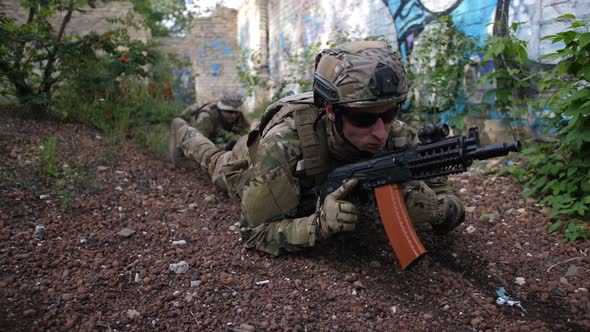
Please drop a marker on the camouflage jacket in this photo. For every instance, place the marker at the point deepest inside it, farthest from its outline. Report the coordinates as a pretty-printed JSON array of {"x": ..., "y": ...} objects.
[
  {"x": 277, "y": 216},
  {"x": 209, "y": 122}
]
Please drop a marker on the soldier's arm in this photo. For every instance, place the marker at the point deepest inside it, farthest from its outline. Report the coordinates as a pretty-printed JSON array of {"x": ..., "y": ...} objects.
[
  {"x": 271, "y": 198},
  {"x": 204, "y": 124}
]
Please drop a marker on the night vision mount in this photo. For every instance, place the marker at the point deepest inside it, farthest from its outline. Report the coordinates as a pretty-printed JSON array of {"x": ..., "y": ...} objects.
[{"x": 384, "y": 81}]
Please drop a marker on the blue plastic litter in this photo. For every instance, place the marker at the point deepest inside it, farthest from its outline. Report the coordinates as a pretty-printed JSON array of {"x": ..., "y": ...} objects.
[{"x": 504, "y": 299}]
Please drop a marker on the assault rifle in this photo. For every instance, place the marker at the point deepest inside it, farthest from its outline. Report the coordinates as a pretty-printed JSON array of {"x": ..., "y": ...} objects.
[{"x": 436, "y": 155}]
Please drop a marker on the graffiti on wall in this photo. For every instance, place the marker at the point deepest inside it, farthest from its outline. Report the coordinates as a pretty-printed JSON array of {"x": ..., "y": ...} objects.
[
  {"x": 412, "y": 16},
  {"x": 211, "y": 56}
]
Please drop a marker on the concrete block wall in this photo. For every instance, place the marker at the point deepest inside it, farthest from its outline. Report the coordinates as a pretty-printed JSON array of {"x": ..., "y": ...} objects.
[{"x": 215, "y": 54}]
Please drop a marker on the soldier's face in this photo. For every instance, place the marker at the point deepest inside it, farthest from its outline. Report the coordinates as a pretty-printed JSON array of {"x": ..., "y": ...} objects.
[
  {"x": 366, "y": 128},
  {"x": 230, "y": 117}
]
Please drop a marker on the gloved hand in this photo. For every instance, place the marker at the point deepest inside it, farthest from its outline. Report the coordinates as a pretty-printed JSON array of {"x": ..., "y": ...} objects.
[{"x": 338, "y": 215}]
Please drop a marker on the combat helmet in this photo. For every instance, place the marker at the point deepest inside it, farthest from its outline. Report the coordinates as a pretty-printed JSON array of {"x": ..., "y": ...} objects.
[
  {"x": 230, "y": 103},
  {"x": 359, "y": 74}
]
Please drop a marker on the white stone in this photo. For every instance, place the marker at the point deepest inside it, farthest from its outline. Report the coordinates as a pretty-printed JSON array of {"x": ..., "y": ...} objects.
[{"x": 179, "y": 268}]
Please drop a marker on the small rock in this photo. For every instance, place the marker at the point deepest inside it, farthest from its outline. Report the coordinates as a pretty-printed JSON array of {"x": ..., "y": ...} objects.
[
  {"x": 42, "y": 197},
  {"x": 487, "y": 217},
  {"x": 470, "y": 229},
  {"x": 102, "y": 168},
  {"x": 29, "y": 312},
  {"x": 571, "y": 271},
  {"x": 70, "y": 323},
  {"x": 247, "y": 327},
  {"x": 470, "y": 209},
  {"x": 374, "y": 264},
  {"x": 210, "y": 198},
  {"x": 126, "y": 232},
  {"x": 195, "y": 283},
  {"x": 178, "y": 268},
  {"x": 358, "y": 285},
  {"x": 133, "y": 314},
  {"x": 118, "y": 188},
  {"x": 193, "y": 206},
  {"x": 351, "y": 277},
  {"x": 520, "y": 281},
  {"x": 40, "y": 232},
  {"x": 179, "y": 243}
]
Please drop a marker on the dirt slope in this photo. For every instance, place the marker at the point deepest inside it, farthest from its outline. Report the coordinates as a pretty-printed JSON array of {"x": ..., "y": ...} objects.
[{"x": 84, "y": 276}]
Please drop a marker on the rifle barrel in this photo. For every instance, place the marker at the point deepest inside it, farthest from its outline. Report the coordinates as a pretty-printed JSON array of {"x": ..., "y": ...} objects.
[{"x": 494, "y": 150}]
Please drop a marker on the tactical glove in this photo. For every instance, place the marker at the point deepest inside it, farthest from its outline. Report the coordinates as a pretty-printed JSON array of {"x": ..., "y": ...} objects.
[{"x": 337, "y": 215}]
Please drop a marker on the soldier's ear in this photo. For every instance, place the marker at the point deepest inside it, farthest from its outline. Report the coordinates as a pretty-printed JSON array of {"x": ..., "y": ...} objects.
[{"x": 330, "y": 112}]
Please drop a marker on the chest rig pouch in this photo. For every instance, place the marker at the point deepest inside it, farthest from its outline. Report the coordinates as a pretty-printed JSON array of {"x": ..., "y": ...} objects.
[{"x": 314, "y": 145}]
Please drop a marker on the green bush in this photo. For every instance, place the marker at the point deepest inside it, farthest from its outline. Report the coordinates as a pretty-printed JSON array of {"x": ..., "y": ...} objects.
[
  {"x": 559, "y": 170},
  {"x": 512, "y": 79},
  {"x": 437, "y": 68}
]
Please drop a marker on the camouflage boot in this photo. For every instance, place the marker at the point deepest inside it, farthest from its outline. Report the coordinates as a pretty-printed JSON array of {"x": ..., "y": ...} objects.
[{"x": 175, "y": 154}]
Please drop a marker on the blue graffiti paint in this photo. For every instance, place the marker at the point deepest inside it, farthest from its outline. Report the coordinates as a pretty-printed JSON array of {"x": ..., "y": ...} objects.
[
  {"x": 473, "y": 16},
  {"x": 227, "y": 51},
  {"x": 215, "y": 70},
  {"x": 215, "y": 44},
  {"x": 200, "y": 53},
  {"x": 406, "y": 13}
]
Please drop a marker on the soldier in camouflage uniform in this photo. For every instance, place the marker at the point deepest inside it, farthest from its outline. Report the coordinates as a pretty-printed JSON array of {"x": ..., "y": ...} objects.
[
  {"x": 221, "y": 121},
  {"x": 350, "y": 116}
]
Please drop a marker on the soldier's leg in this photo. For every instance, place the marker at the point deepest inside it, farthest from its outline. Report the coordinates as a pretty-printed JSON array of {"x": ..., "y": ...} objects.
[
  {"x": 175, "y": 155},
  {"x": 186, "y": 140},
  {"x": 443, "y": 209}
]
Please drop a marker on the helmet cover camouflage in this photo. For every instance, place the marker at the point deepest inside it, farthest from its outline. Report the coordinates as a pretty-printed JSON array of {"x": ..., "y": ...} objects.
[
  {"x": 231, "y": 103},
  {"x": 360, "y": 74}
]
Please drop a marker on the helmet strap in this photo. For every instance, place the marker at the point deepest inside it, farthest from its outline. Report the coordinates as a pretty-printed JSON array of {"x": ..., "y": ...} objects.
[{"x": 338, "y": 126}]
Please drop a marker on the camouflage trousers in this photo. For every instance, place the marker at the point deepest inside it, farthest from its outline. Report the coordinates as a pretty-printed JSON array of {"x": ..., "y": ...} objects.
[{"x": 227, "y": 169}]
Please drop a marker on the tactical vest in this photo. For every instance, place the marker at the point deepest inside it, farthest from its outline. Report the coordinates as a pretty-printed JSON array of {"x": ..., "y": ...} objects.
[{"x": 314, "y": 145}]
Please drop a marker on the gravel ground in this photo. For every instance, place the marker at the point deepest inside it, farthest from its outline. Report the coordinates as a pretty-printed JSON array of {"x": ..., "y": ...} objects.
[{"x": 184, "y": 268}]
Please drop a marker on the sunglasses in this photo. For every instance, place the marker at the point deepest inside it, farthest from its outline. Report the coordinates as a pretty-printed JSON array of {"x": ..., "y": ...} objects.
[{"x": 366, "y": 119}]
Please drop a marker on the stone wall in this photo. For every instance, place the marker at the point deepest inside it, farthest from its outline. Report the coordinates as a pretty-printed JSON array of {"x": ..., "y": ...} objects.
[{"x": 93, "y": 19}]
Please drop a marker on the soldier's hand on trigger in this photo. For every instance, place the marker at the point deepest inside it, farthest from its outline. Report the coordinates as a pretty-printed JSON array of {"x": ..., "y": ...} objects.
[{"x": 338, "y": 215}]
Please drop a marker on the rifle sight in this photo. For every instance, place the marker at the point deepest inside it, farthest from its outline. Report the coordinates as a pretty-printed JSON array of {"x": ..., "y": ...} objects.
[{"x": 433, "y": 132}]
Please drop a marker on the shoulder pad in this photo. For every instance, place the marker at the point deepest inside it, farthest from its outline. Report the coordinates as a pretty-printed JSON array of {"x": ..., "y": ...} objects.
[{"x": 302, "y": 98}]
